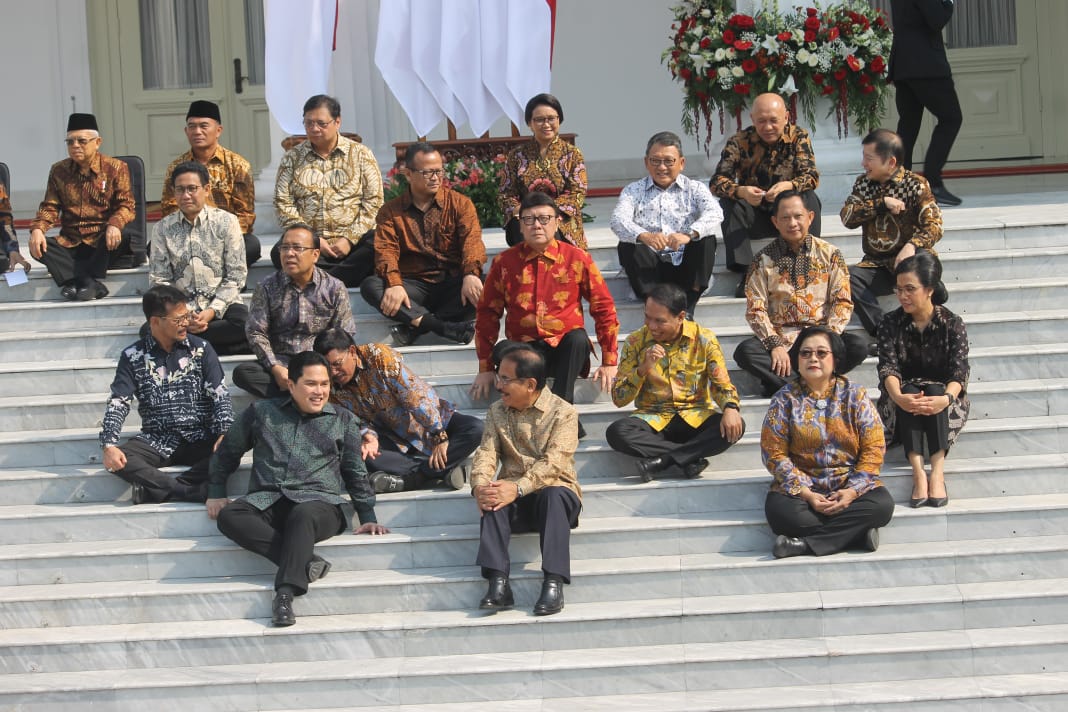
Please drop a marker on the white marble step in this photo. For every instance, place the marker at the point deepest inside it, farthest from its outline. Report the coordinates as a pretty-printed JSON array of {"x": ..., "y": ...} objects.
[
  {"x": 666, "y": 621},
  {"x": 567, "y": 672}
]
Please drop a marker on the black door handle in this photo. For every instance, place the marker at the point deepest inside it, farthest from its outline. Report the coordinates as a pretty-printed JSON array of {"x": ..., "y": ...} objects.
[{"x": 238, "y": 78}]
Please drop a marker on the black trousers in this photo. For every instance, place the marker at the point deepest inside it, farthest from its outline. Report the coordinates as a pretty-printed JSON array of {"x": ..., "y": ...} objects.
[
  {"x": 679, "y": 441},
  {"x": 444, "y": 298},
  {"x": 564, "y": 363},
  {"x": 225, "y": 333},
  {"x": 143, "y": 463},
  {"x": 255, "y": 379},
  {"x": 465, "y": 434},
  {"x": 285, "y": 533},
  {"x": 81, "y": 264},
  {"x": 352, "y": 269},
  {"x": 791, "y": 516},
  {"x": 939, "y": 96},
  {"x": 645, "y": 269},
  {"x": 751, "y": 356},
  {"x": 742, "y": 223},
  {"x": 911, "y": 430},
  {"x": 552, "y": 512}
]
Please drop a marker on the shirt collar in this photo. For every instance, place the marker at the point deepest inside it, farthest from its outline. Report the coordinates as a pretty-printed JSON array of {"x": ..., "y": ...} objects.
[
  {"x": 312, "y": 281},
  {"x": 649, "y": 186},
  {"x": 784, "y": 247},
  {"x": 543, "y": 400},
  {"x": 152, "y": 345},
  {"x": 407, "y": 201},
  {"x": 552, "y": 252}
]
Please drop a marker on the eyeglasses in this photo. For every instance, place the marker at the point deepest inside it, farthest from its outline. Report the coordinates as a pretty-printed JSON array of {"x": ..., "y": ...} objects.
[
  {"x": 78, "y": 141},
  {"x": 336, "y": 365},
  {"x": 545, "y": 119},
  {"x": 657, "y": 162},
  {"x": 529, "y": 220},
  {"x": 298, "y": 249},
  {"x": 505, "y": 380},
  {"x": 907, "y": 289},
  {"x": 432, "y": 173},
  {"x": 818, "y": 353},
  {"x": 186, "y": 189},
  {"x": 309, "y": 124},
  {"x": 182, "y": 320}
]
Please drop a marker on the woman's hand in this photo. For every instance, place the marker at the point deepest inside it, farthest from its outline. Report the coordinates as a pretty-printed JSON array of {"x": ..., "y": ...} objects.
[{"x": 909, "y": 402}]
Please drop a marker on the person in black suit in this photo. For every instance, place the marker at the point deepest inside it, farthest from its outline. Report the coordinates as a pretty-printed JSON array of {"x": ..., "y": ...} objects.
[{"x": 921, "y": 74}]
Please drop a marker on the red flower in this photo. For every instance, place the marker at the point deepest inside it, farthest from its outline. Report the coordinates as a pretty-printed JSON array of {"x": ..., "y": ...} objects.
[
  {"x": 743, "y": 22},
  {"x": 810, "y": 36},
  {"x": 811, "y": 11},
  {"x": 878, "y": 65},
  {"x": 728, "y": 37},
  {"x": 741, "y": 88},
  {"x": 812, "y": 23},
  {"x": 865, "y": 79},
  {"x": 710, "y": 72},
  {"x": 827, "y": 90},
  {"x": 675, "y": 54},
  {"x": 832, "y": 34},
  {"x": 743, "y": 45},
  {"x": 853, "y": 63},
  {"x": 839, "y": 75},
  {"x": 706, "y": 42},
  {"x": 817, "y": 78},
  {"x": 784, "y": 36},
  {"x": 686, "y": 74},
  {"x": 749, "y": 66},
  {"x": 867, "y": 89},
  {"x": 880, "y": 22}
]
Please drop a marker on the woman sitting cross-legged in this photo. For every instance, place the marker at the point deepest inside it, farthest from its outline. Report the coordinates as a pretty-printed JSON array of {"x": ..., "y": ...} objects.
[
  {"x": 923, "y": 367},
  {"x": 823, "y": 442}
]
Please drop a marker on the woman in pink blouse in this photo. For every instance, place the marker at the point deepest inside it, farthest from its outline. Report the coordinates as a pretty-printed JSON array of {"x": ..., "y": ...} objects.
[
  {"x": 546, "y": 164},
  {"x": 822, "y": 441}
]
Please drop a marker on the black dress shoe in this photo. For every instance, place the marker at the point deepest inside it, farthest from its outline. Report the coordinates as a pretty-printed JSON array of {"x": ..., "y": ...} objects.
[
  {"x": 649, "y": 466},
  {"x": 581, "y": 431},
  {"x": 318, "y": 568},
  {"x": 787, "y": 546},
  {"x": 498, "y": 596},
  {"x": 383, "y": 482},
  {"x": 282, "y": 610},
  {"x": 462, "y": 332},
  {"x": 739, "y": 291},
  {"x": 551, "y": 599},
  {"x": 871, "y": 540},
  {"x": 137, "y": 494},
  {"x": 96, "y": 290},
  {"x": 694, "y": 469},
  {"x": 944, "y": 197},
  {"x": 68, "y": 291},
  {"x": 403, "y": 334}
]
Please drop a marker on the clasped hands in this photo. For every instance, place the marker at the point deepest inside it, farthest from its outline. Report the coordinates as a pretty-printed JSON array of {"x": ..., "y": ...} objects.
[
  {"x": 660, "y": 241},
  {"x": 495, "y": 494},
  {"x": 920, "y": 404},
  {"x": 754, "y": 195},
  {"x": 831, "y": 504}
]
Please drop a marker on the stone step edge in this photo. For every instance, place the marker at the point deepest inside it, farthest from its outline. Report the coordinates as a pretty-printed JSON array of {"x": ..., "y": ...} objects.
[
  {"x": 673, "y": 564},
  {"x": 804, "y": 602},
  {"x": 782, "y": 650}
]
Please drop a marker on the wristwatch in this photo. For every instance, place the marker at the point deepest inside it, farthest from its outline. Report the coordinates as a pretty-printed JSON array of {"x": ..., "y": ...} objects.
[
  {"x": 952, "y": 399},
  {"x": 733, "y": 405},
  {"x": 695, "y": 235}
]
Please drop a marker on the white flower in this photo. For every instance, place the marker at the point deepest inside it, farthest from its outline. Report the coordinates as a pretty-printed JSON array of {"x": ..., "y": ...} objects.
[
  {"x": 737, "y": 71},
  {"x": 788, "y": 87},
  {"x": 695, "y": 47},
  {"x": 723, "y": 73},
  {"x": 720, "y": 54},
  {"x": 699, "y": 62},
  {"x": 731, "y": 53},
  {"x": 706, "y": 13},
  {"x": 845, "y": 51},
  {"x": 813, "y": 60},
  {"x": 803, "y": 55},
  {"x": 771, "y": 44}
]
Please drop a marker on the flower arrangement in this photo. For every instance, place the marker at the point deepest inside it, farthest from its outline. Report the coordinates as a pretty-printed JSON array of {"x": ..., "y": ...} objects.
[
  {"x": 724, "y": 60},
  {"x": 478, "y": 179}
]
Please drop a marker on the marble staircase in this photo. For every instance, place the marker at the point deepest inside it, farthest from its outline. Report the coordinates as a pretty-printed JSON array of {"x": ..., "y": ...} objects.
[{"x": 676, "y": 603}]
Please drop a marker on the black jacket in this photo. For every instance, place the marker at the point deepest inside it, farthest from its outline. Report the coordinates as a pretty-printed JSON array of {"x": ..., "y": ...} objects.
[{"x": 918, "y": 51}]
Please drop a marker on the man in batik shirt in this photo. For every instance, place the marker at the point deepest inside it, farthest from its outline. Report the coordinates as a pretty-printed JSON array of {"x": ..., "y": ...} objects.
[
  {"x": 9, "y": 244},
  {"x": 686, "y": 406}
]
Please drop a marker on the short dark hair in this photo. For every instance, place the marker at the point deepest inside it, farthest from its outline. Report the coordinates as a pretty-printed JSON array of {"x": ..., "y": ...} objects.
[
  {"x": 301, "y": 226},
  {"x": 159, "y": 300},
  {"x": 331, "y": 340},
  {"x": 529, "y": 363},
  {"x": 664, "y": 138},
  {"x": 303, "y": 360},
  {"x": 191, "y": 167},
  {"x": 838, "y": 348},
  {"x": 887, "y": 144},
  {"x": 414, "y": 149},
  {"x": 928, "y": 271},
  {"x": 668, "y": 295},
  {"x": 542, "y": 100},
  {"x": 320, "y": 100},
  {"x": 537, "y": 199},
  {"x": 785, "y": 195}
]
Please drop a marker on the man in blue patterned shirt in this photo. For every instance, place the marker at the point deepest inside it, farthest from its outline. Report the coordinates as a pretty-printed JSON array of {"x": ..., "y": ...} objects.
[
  {"x": 183, "y": 402},
  {"x": 304, "y": 451}
]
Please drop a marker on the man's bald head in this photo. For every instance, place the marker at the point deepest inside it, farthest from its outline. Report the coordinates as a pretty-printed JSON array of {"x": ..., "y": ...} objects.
[{"x": 769, "y": 117}]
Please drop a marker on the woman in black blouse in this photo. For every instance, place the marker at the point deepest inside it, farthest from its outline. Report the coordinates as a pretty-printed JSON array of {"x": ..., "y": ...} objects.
[{"x": 923, "y": 371}]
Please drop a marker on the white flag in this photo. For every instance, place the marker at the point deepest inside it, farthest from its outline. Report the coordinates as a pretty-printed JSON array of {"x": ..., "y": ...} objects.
[
  {"x": 298, "y": 42},
  {"x": 461, "y": 62},
  {"x": 493, "y": 24},
  {"x": 394, "y": 60},
  {"x": 529, "y": 46},
  {"x": 425, "y": 43}
]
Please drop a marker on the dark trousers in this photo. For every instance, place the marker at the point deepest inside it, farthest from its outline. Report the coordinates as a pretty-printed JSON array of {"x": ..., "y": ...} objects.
[
  {"x": 252, "y": 249},
  {"x": 742, "y": 223},
  {"x": 939, "y": 96},
  {"x": 911, "y": 430},
  {"x": 81, "y": 265},
  {"x": 225, "y": 333},
  {"x": 255, "y": 379},
  {"x": 564, "y": 362},
  {"x": 285, "y": 533},
  {"x": 791, "y": 516},
  {"x": 867, "y": 284},
  {"x": 442, "y": 299},
  {"x": 752, "y": 357},
  {"x": 352, "y": 269},
  {"x": 552, "y": 512},
  {"x": 143, "y": 463},
  {"x": 465, "y": 434},
  {"x": 645, "y": 269},
  {"x": 679, "y": 441}
]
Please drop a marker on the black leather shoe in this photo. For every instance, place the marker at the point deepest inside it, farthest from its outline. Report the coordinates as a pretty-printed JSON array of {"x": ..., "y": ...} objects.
[
  {"x": 68, "y": 291},
  {"x": 93, "y": 291},
  {"x": 917, "y": 502},
  {"x": 462, "y": 332},
  {"x": 694, "y": 469},
  {"x": 871, "y": 540},
  {"x": 498, "y": 596},
  {"x": 649, "y": 466},
  {"x": 403, "y": 334},
  {"x": 938, "y": 502},
  {"x": 318, "y": 568},
  {"x": 873, "y": 348},
  {"x": 282, "y": 610},
  {"x": 137, "y": 493},
  {"x": 551, "y": 599},
  {"x": 787, "y": 546},
  {"x": 383, "y": 482},
  {"x": 944, "y": 197},
  {"x": 739, "y": 291}
]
